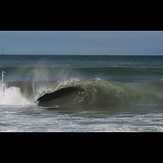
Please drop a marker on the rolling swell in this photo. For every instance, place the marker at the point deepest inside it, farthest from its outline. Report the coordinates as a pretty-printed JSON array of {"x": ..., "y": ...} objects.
[{"x": 15, "y": 73}]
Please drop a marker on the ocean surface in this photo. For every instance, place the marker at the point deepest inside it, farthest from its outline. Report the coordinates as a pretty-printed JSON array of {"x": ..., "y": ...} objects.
[{"x": 113, "y": 93}]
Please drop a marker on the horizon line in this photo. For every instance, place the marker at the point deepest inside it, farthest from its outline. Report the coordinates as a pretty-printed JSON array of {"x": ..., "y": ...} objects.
[{"x": 84, "y": 54}]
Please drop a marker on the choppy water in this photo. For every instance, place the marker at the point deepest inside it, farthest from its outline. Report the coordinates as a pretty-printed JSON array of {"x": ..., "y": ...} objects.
[
  {"x": 119, "y": 93},
  {"x": 39, "y": 120}
]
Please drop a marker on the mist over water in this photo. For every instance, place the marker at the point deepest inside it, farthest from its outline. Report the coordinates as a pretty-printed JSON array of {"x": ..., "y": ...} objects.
[{"x": 116, "y": 93}]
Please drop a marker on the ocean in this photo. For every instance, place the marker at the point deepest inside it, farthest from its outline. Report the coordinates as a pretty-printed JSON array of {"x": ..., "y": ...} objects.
[{"x": 81, "y": 93}]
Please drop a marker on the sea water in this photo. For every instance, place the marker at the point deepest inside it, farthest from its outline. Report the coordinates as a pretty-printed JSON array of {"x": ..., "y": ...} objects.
[{"x": 121, "y": 93}]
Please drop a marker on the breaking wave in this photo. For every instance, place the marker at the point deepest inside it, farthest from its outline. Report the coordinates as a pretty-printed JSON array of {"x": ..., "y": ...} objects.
[
  {"x": 92, "y": 95},
  {"x": 103, "y": 94}
]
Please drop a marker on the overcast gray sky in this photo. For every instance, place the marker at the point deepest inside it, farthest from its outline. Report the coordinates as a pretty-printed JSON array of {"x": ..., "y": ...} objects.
[{"x": 81, "y": 42}]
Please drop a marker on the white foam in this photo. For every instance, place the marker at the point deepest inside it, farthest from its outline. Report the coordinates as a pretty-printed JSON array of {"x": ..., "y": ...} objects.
[
  {"x": 97, "y": 78},
  {"x": 67, "y": 82},
  {"x": 12, "y": 96}
]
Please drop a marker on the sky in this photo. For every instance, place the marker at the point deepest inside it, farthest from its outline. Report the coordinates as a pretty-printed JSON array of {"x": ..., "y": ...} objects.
[{"x": 81, "y": 42}]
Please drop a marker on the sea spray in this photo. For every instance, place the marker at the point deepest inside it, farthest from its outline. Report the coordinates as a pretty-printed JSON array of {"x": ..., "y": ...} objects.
[
  {"x": 13, "y": 96},
  {"x": 10, "y": 95},
  {"x": 40, "y": 76},
  {"x": 47, "y": 79}
]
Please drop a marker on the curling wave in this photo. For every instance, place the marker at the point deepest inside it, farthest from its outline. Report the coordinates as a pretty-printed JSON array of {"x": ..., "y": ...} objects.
[{"x": 101, "y": 94}]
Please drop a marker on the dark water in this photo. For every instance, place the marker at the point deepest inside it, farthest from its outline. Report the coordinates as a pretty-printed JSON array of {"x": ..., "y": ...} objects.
[
  {"x": 106, "y": 67},
  {"x": 119, "y": 93}
]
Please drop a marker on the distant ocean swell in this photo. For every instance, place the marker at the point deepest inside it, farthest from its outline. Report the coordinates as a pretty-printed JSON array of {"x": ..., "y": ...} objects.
[{"x": 108, "y": 73}]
